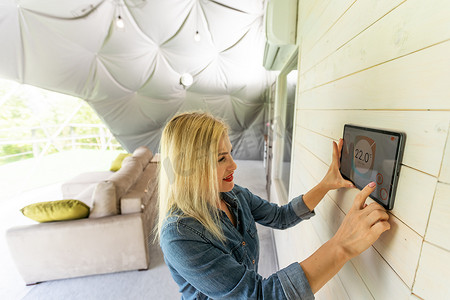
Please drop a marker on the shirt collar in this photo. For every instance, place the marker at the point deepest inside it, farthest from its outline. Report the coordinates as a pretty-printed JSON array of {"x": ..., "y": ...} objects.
[{"x": 230, "y": 198}]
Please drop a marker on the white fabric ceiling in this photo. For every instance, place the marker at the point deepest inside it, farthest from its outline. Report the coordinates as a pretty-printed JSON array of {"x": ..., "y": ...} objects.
[{"x": 131, "y": 75}]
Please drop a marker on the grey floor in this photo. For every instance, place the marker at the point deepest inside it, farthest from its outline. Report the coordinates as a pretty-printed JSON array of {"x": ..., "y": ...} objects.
[{"x": 156, "y": 283}]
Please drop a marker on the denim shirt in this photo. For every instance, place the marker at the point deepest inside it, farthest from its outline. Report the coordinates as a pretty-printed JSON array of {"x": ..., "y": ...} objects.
[{"x": 206, "y": 268}]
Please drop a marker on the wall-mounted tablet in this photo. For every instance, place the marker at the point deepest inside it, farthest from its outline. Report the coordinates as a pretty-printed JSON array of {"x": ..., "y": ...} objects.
[{"x": 373, "y": 155}]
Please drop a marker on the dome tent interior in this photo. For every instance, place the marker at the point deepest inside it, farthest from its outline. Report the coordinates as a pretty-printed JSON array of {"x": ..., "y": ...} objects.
[{"x": 137, "y": 63}]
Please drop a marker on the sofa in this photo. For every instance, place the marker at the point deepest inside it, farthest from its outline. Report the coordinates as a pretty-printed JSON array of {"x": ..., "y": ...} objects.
[{"x": 113, "y": 238}]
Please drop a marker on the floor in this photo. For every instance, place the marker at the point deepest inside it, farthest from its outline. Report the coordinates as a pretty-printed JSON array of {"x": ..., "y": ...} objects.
[{"x": 155, "y": 283}]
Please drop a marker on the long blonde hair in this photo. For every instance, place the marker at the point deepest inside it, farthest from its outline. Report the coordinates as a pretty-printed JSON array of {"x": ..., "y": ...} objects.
[{"x": 188, "y": 178}]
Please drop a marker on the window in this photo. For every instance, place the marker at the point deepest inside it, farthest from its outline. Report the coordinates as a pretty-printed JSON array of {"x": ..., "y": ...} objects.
[
  {"x": 284, "y": 124},
  {"x": 288, "y": 113},
  {"x": 47, "y": 137}
]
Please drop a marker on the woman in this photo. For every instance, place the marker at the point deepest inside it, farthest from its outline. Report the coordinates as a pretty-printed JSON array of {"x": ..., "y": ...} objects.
[{"x": 207, "y": 227}]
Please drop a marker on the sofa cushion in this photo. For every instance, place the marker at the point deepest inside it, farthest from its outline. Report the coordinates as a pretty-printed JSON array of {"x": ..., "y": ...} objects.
[
  {"x": 143, "y": 155},
  {"x": 59, "y": 210},
  {"x": 78, "y": 184},
  {"x": 156, "y": 158},
  {"x": 105, "y": 202},
  {"x": 117, "y": 162},
  {"x": 86, "y": 196},
  {"x": 126, "y": 176},
  {"x": 137, "y": 197}
]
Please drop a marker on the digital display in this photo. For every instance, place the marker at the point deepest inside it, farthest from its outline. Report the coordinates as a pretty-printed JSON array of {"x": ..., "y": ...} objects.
[{"x": 372, "y": 155}]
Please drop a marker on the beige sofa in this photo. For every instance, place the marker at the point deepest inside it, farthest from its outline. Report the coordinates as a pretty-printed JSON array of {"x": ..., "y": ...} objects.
[{"x": 114, "y": 238}]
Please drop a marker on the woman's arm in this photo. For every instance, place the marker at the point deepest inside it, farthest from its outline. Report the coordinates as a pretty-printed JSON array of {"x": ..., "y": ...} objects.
[
  {"x": 300, "y": 208},
  {"x": 361, "y": 227},
  {"x": 332, "y": 180}
]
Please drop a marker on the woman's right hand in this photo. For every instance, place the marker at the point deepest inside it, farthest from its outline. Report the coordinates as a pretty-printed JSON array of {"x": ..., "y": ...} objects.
[{"x": 363, "y": 224}]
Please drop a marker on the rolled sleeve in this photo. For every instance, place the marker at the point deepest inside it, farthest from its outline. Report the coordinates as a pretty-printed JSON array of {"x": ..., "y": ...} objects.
[
  {"x": 300, "y": 208},
  {"x": 271, "y": 214},
  {"x": 294, "y": 283}
]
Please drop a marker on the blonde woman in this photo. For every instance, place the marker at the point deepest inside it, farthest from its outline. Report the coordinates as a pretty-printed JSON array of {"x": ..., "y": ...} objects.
[{"x": 206, "y": 223}]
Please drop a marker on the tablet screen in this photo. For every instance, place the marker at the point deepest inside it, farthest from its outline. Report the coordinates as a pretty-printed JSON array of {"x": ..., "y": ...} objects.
[{"x": 372, "y": 155}]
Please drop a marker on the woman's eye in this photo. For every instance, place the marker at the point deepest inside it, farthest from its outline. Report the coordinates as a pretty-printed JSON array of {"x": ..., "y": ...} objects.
[{"x": 222, "y": 159}]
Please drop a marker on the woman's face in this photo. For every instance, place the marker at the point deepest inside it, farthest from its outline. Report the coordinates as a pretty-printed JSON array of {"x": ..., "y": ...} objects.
[{"x": 225, "y": 165}]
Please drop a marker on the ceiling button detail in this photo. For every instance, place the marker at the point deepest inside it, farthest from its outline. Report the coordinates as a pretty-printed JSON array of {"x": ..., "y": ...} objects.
[{"x": 186, "y": 80}]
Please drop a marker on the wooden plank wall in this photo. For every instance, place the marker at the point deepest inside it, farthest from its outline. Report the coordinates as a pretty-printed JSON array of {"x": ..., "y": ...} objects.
[{"x": 383, "y": 64}]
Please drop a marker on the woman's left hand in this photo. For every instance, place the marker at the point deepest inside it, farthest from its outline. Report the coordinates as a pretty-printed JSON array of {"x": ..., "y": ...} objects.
[{"x": 333, "y": 179}]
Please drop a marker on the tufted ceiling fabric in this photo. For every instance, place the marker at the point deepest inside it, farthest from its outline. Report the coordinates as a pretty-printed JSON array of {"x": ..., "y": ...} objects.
[{"x": 130, "y": 73}]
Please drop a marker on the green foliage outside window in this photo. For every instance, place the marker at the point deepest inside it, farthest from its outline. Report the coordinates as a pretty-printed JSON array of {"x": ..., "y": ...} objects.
[{"x": 31, "y": 117}]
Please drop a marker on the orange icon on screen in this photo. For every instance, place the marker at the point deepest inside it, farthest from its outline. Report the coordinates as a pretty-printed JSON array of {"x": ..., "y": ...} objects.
[
  {"x": 392, "y": 138},
  {"x": 379, "y": 178},
  {"x": 383, "y": 193}
]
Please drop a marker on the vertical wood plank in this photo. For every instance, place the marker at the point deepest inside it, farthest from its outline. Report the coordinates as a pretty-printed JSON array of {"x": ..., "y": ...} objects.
[
  {"x": 433, "y": 274},
  {"x": 414, "y": 198},
  {"x": 349, "y": 276},
  {"x": 412, "y": 26},
  {"x": 333, "y": 289},
  {"x": 383, "y": 64},
  {"x": 444, "y": 175},
  {"x": 309, "y": 23},
  {"x": 359, "y": 16},
  {"x": 369, "y": 265},
  {"x": 381, "y": 280},
  {"x": 412, "y": 205},
  {"x": 438, "y": 231},
  {"x": 416, "y": 81},
  {"x": 303, "y": 242},
  {"x": 400, "y": 246},
  {"x": 329, "y": 12},
  {"x": 426, "y": 132}
]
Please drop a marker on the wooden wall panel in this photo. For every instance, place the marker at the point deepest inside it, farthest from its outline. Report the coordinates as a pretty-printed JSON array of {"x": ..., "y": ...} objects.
[
  {"x": 412, "y": 205},
  {"x": 359, "y": 16},
  {"x": 426, "y": 131},
  {"x": 381, "y": 64},
  {"x": 305, "y": 7},
  {"x": 333, "y": 289},
  {"x": 438, "y": 231},
  {"x": 416, "y": 81},
  {"x": 403, "y": 31},
  {"x": 325, "y": 13},
  {"x": 309, "y": 11},
  {"x": 320, "y": 145},
  {"x": 433, "y": 274},
  {"x": 286, "y": 252},
  {"x": 445, "y": 170},
  {"x": 369, "y": 265},
  {"x": 305, "y": 237},
  {"x": 349, "y": 276},
  {"x": 298, "y": 243},
  {"x": 400, "y": 246},
  {"x": 382, "y": 281}
]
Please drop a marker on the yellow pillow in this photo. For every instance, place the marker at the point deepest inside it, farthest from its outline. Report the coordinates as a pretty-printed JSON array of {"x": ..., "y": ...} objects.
[
  {"x": 117, "y": 163},
  {"x": 59, "y": 210}
]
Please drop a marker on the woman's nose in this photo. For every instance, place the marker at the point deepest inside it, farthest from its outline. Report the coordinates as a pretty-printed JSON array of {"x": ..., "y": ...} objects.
[{"x": 233, "y": 165}]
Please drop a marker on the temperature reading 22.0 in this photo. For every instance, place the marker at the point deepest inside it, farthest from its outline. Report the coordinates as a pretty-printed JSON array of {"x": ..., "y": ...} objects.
[
  {"x": 361, "y": 155},
  {"x": 364, "y": 154}
]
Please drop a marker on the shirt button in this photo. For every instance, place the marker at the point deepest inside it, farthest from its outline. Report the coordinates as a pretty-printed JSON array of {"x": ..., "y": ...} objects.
[
  {"x": 253, "y": 261},
  {"x": 243, "y": 243}
]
